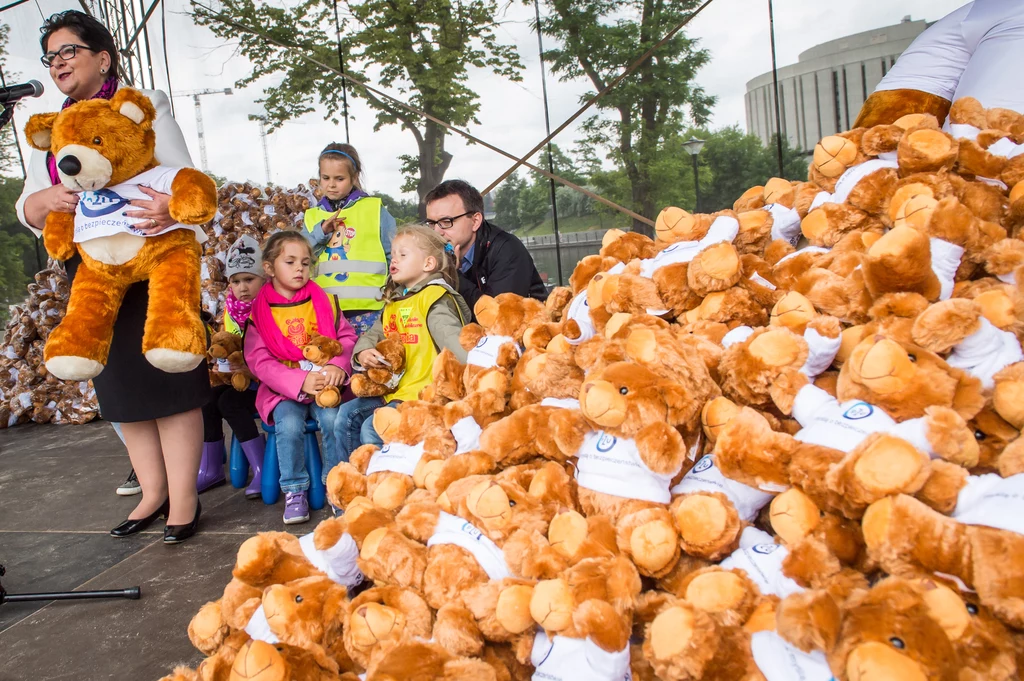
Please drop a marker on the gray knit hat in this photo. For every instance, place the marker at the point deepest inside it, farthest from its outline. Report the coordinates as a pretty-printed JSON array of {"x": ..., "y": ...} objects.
[{"x": 244, "y": 256}]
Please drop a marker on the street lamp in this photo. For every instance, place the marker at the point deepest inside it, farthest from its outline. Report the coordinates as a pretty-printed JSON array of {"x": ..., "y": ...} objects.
[{"x": 693, "y": 146}]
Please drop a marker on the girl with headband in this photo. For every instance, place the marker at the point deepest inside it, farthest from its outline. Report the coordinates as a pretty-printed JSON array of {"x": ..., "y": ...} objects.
[{"x": 351, "y": 233}]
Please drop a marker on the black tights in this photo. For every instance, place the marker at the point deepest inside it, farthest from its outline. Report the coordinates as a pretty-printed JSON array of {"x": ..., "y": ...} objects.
[{"x": 237, "y": 408}]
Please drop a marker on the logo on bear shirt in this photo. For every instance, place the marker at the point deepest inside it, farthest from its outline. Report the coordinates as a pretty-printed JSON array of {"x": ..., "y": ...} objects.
[
  {"x": 470, "y": 529},
  {"x": 482, "y": 342},
  {"x": 102, "y": 202},
  {"x": 606, "y": 443},
  {"x": 860, "y": 410},
  {"x": 764, "y": 549},
  {"x": 705, "y": 463}
]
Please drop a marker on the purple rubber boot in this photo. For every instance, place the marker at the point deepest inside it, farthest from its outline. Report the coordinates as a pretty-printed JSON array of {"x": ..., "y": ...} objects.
[
  {"x": 254, "y": 454},
  {"x": 211, "y": 467}
]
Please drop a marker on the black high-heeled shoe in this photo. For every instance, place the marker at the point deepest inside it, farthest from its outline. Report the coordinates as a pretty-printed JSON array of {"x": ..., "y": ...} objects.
[
  {"x": 175, "y": 534},
  {"x": 130, "y": 527}
]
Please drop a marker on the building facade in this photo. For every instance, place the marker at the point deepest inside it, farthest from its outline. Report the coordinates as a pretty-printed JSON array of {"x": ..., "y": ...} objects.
[{"x": 823, "y": 92}]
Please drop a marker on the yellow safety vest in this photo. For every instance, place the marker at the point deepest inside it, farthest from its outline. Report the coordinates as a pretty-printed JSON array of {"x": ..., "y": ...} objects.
[
  {"x": 352, "y": 266},
  {"x": 230, "y": 325},
  {"x": 408, "y": 318}
]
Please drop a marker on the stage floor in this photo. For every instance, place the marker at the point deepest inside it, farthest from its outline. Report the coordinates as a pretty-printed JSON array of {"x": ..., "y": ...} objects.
[{"x": 57, "y": 504}]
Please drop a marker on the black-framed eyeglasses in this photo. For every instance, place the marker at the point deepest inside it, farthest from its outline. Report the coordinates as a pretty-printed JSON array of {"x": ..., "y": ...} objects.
[
  {"x": 66, "y": 53},
  {"x": 446, "y": 223}
]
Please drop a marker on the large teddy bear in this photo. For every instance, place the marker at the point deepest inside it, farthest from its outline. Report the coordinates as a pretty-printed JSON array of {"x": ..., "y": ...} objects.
[
  {"x": 627, "y": 463},
  {"x": 414, "y": 435},
  {"x": 981, "y": 543},
  {"x": 105, "y": 150},
  {"x": 481, "y": 528},
  {"x": 888, "y": 385},
  {"x": 586, "y": 617},
  {"x": 718, "y": 623}
]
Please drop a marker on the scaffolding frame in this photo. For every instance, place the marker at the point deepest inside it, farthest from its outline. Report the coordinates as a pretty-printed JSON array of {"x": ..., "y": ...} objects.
[{"x": 128, "y": 22}]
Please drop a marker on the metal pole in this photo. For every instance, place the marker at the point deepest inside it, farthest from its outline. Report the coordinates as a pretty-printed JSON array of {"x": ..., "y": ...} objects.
[
  {"x": 145, "y": 36},
  {"x": 547, "y": 126},
  {"x": 167, "y": 63},
  {"x": 199, "y": 130},
  {"x": 696, "y": 186},
  {"x": 132, "y": 593},
  {"x": 341, "y": 67},
  {"x": 775, "y": 82}
]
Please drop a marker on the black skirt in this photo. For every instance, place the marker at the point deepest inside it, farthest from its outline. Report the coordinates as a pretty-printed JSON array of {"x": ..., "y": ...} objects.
[{"x": 129, "y": 388}]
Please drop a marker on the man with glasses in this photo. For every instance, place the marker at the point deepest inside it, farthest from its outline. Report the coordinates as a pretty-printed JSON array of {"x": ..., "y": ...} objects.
[{"x": 491, "y": 261}]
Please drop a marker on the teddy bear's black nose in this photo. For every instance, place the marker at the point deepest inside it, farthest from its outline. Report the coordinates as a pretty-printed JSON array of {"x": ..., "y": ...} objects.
[{"x": 70, "y": 165}]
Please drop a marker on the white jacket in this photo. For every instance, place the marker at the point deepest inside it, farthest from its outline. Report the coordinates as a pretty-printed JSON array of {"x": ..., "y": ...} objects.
[{"x": 171, "y": 150}]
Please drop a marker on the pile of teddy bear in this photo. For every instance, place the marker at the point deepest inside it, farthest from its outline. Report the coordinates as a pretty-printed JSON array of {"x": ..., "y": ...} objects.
[
  {"x": 244, "y": 208},
  {"x": 776, "y": 442},
  {"x": 27, "y": 391}
]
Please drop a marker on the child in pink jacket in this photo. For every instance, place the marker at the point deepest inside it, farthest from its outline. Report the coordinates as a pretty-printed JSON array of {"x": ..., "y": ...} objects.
[{"x": 285, "y": 314}]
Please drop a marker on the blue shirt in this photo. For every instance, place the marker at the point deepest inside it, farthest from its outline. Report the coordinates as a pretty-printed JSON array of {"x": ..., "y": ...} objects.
[{"x": 467, "y": 258}]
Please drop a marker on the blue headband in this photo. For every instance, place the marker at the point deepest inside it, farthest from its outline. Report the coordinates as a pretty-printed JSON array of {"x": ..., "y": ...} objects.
[{"x": 355, "y": 165}]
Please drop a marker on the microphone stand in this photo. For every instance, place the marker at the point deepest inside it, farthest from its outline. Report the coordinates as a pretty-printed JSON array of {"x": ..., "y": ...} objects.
[
  {"x": 7, "y": 114},
  {"x": 133, "y": 593}
]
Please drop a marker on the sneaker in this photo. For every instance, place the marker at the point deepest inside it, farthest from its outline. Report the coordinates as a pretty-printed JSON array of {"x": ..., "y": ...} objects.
[
  {"x": 337, "y": 511},
  {"x": 130, "y": 486},
  {"x": 296, "y": 508}
]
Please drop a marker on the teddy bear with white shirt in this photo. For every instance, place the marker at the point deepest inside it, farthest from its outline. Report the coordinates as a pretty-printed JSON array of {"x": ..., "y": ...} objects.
[
  {"x": 720, "y": 624},
  {"x": 415, "y": 437},
  {"x": 104, "y": 149}
]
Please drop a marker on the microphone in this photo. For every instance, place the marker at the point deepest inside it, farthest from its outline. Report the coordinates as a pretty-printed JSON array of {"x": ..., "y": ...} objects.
[{"x": 9, "y": 95}]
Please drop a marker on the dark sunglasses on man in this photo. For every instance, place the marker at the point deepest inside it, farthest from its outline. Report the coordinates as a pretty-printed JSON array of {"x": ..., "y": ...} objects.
[{"x": 66, "y": 53}]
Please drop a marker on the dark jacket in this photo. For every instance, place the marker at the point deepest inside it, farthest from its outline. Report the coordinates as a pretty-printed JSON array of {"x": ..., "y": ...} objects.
[{"x": 501, "y": 264}]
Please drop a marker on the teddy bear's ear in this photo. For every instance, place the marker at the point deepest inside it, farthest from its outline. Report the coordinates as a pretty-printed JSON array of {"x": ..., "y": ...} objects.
[
  {"x": 968, "y": 399},
  {"x": 810, "y": 620},
  {"x": 134, "y": 105},
  {"x": 37, "y": 130}
]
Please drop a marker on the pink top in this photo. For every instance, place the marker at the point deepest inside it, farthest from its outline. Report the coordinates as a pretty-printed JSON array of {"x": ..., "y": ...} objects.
[{"x": 279, "y": 382}]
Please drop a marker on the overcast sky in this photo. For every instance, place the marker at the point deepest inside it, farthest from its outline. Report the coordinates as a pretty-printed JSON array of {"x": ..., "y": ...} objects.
[{"x": 511, "y": 117}]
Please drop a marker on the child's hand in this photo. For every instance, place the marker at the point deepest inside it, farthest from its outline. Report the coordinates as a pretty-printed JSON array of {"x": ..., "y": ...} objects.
[
  {"x": 328, "y": 225},
  {"x": 333, "y": 375},
  {"x": 371, "y": 359},
  {"x": 313, "y": 383}
]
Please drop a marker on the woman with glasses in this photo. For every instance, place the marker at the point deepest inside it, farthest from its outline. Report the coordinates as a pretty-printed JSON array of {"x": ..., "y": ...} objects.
[{"x": 159, "y": 413}]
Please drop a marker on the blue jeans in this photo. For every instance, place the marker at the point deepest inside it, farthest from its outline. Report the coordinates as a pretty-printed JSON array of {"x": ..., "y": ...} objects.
[
  {"x": 290, "y": 425},
  {"x": 355, "y": 428}
]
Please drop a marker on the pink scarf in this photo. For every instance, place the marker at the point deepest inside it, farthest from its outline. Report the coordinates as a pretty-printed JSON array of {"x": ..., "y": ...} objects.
[
  {"x": 238, "y": 310},
  {"x": 278, "y": 344}
]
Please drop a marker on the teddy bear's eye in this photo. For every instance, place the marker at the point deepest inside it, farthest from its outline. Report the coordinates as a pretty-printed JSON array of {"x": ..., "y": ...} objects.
[
  {"x": 623, "y": 390},
  {"x": 972, "y": 608},
  {"x": 298, "y": 598},
  {"x": 511, "y": 503},
  {"x": 97, "y": 140},
  {"x": 978, "y": 435},
  {"x": 897, "y": 643},
  {"x": 912, "y": 357}
]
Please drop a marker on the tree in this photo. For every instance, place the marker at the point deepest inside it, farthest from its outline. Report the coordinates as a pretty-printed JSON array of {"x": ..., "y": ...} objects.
[
  {"x": 534, "y": 202},
  {"x": 422, "y": 49},
  {"x": 733, "y": 162},
  {"x": 599, "y": 39},
  {"x": 8, "y": 150},
  {"x": 730, "y": 163},
  {"x": 506, "y": 202},
  {"x": 402, "y": 210}
]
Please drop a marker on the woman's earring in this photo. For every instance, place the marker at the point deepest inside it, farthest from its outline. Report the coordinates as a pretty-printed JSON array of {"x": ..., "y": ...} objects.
[{"x": 103, "y": 70}]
